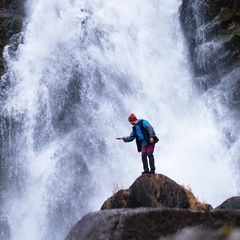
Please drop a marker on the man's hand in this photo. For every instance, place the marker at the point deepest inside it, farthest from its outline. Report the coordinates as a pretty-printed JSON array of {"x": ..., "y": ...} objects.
[
  {"x": 151, "y": 140},
  {"x": 119, "y": 138}
]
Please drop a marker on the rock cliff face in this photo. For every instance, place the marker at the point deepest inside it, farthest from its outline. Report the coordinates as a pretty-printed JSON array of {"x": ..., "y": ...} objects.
[
  {"x": 212, "y": 31},
  {"x": 156, "y": 207}
]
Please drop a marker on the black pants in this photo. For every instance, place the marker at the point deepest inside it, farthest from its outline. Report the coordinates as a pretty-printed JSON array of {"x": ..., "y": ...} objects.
[{"x": 147, "y": 154}]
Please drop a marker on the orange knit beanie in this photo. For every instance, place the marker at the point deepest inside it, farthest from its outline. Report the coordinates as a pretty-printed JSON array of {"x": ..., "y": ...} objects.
[{"x": 132, "y": 117}]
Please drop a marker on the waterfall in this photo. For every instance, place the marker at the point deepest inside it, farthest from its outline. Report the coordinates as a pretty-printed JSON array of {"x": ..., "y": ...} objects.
[{"x": 81, "y": 67}]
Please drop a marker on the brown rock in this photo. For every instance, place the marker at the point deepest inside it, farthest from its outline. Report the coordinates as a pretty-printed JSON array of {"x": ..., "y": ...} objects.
[{"x": 155, "y": 190}]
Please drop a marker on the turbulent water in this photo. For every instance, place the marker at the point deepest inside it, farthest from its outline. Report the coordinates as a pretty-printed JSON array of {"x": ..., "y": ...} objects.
[{"x": 80, "y": 69}]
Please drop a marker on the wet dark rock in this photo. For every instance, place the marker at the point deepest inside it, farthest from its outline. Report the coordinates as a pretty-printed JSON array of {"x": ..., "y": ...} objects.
[
  {"x": 190, "y": 233},
  {"x": 232, "y": 203},
  {"x": 233, "y": 50},
  {"x": 212, "y": 30},
  {"x": 153, "y": 223},
  {"x": 12, "y": 14}
]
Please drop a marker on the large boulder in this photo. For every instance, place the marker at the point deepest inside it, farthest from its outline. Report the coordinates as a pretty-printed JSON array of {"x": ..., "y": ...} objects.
[
  {"x": 156, "y": 207},
  {"x": 155, "y": 190},
  {"x": 153, "y": 223}
]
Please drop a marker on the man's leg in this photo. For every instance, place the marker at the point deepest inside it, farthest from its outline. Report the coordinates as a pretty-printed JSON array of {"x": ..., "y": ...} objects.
[
  {"x": 150, "y": 150},
  {"x": 144, "y": 159},
  {"x": 151, "y": 162}
]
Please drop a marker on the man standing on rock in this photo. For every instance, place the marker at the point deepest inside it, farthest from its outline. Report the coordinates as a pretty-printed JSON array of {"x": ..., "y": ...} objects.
[{"x": 145, "y": 138}]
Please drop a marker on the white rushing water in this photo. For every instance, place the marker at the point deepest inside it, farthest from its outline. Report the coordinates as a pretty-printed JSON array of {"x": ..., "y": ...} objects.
[{"x": 81, "y": 69}]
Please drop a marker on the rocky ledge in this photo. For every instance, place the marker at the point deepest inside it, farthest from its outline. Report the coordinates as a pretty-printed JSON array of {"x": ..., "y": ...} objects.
[
  {"x": 156, "y": 207},
  {"x": 157, "y": 223}
]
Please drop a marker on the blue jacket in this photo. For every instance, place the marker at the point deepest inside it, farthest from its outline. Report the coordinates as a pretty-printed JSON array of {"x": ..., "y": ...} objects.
[{"x": 139, "y": 134}]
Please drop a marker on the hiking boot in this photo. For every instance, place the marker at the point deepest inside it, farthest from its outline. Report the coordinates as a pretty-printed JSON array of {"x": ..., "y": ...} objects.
[
  {"x": 152, "y": 171},
  {"x": 145, "y": 171}
]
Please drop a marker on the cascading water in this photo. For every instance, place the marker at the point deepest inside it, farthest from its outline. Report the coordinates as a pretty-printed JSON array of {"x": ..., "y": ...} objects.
[{"x": 81, "y": 67}]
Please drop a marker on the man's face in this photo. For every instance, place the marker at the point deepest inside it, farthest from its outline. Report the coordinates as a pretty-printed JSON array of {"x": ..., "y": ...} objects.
[{"x": 133, "y": 122}]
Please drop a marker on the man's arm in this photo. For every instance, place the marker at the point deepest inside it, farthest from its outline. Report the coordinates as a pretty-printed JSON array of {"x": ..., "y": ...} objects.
[
  {"x": 119, "y": 138},
  {"x": 127, "y": 139}
]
